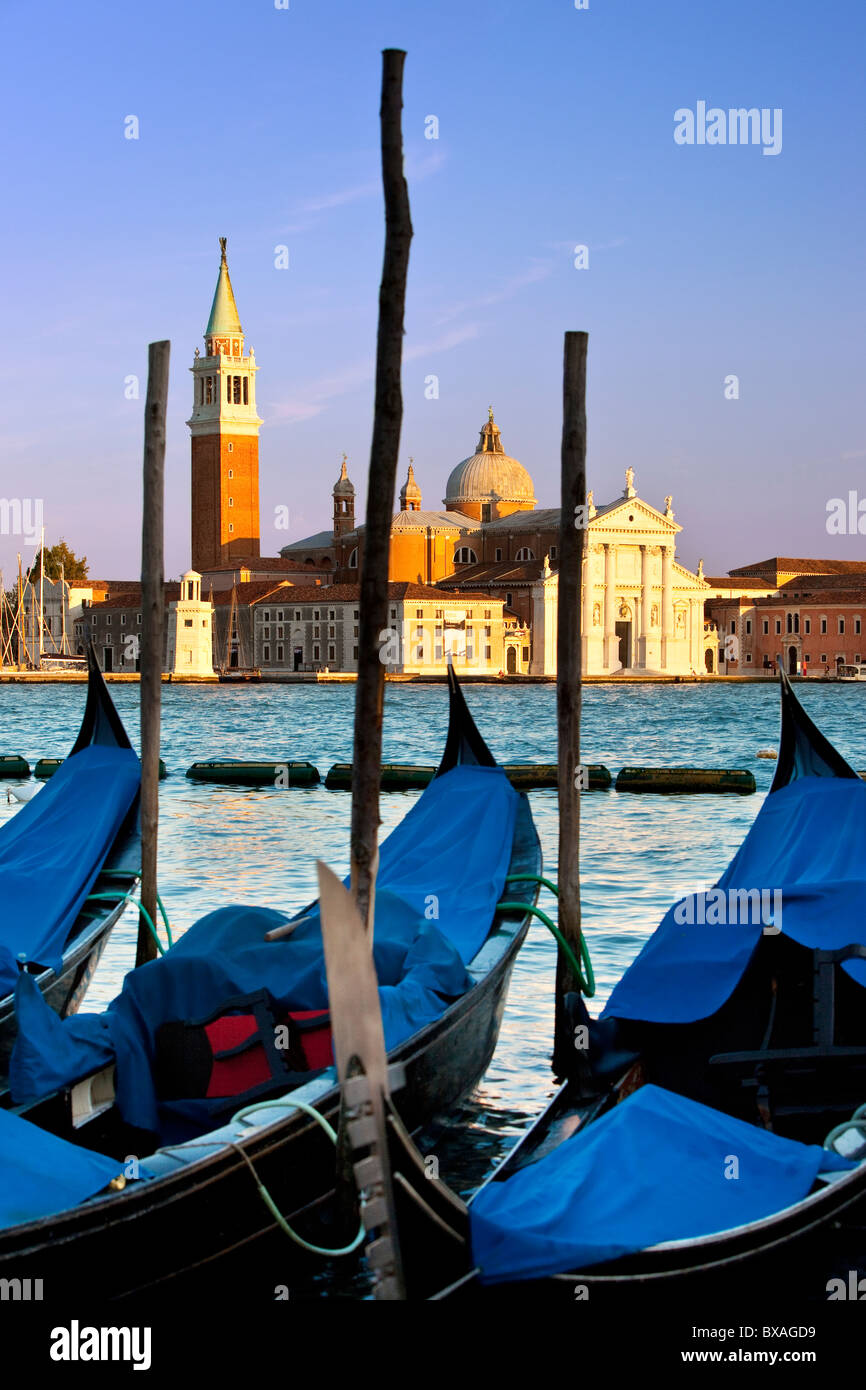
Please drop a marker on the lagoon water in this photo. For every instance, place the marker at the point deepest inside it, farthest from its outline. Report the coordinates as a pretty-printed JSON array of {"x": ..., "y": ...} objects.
[{"x": 220, "y": 845}]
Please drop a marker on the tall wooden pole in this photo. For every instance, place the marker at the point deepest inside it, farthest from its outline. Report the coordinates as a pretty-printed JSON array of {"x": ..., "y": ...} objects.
[
  {"x": 387, "y": 420},
  {"x": 152, "y": 629},
  {"x": 569, "y": 665}
]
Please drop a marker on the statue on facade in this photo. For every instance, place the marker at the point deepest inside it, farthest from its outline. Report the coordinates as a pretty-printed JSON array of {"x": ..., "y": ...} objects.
[
  {"x": 700, "y": 569},
  {"x": 654, "y": 616},
  {"x": 669, "y": 505},
  {"x": 596, "y": 615},
  {"x": 629, "y": 483}
]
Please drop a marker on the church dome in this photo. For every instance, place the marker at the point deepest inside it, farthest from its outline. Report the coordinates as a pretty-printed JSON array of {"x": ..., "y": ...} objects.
[{"x": 489, "y": 474}]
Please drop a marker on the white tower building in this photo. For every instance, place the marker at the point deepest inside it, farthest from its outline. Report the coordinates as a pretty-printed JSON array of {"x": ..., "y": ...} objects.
[{"x": 189, "y": 650}]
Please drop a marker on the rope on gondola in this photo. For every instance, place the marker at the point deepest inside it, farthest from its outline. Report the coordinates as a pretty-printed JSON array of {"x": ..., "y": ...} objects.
[
  {"x": 265, "y": 1194},
  {"x": 585, "y": 975}
]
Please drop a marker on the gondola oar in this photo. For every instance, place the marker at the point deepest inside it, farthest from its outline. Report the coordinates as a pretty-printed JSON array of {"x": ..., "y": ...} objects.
[{"x": 358, "y": 1042}]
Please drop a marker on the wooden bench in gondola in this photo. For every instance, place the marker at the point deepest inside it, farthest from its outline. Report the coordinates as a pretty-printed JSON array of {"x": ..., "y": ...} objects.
[{"x": 766, "y": 1070}]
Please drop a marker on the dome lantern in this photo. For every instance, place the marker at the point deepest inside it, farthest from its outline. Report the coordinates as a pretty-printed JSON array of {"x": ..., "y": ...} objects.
[{"x": 490, "y": 483}]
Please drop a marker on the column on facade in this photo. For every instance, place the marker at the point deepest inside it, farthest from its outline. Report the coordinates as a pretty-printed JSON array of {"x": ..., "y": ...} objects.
[
  {"x": 588, "y": 593},
  {"x": 696, "y": 635},
  {"x": 667, "y": 603},
  {"x": 645, "y": 599},
  {"x": 610, "y": 644}
]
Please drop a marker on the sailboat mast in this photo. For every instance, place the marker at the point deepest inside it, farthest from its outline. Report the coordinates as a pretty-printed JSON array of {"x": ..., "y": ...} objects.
[
  {"x": 19, "y": 617},
  {"x": 41, "y": 590},
  {"x": 63, "y": 651}
]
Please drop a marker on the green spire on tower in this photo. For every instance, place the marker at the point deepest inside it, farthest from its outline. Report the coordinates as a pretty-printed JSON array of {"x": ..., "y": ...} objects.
[{"x": 224, "y": 318}]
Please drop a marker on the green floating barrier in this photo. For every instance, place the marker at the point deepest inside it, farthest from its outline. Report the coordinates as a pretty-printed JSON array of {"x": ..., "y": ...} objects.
[
  {"x": 255, "y": 774},
  {"x": 525, "y": 776},
  {"x": 395, "y": 776},
  {"x": 46, "y": 767},
  {"x": 679, "y": 780},
  {"x": 405, "y": 776},
  {"x": 11, "y": 765}
]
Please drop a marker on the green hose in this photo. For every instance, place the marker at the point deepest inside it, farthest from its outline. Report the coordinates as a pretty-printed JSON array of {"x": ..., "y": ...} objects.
[
  {"x": 128, "y": 898},
  {"x": 587, "y": 982},
  {"x": 857, "y": 1121},
  {"x": 125, "y": 873},
  {"x": 265, "y": 1194}
]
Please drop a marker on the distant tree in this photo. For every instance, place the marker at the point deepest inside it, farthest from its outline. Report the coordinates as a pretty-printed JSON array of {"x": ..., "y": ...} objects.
[{"x": 59, "y": 559}]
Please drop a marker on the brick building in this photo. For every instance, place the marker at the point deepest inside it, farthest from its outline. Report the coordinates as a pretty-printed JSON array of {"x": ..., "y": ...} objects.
[{"x": 808, "y": 613}]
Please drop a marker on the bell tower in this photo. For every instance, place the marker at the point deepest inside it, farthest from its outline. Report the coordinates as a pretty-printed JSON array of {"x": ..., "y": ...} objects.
[
  {"x": 344, "y": 504},
  {"x": 225, "y": 437}
]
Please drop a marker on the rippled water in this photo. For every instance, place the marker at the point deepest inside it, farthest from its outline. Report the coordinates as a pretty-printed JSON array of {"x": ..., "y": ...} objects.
[{"x": 638, "y": 853}]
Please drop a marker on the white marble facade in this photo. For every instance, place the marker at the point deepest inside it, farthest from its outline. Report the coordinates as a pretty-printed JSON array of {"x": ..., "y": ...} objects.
[{"x": 643, "y": 613}]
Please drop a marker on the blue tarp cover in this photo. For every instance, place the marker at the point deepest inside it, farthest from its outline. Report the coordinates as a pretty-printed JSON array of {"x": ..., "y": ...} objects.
[
  {"x": 441, "y": 873},
  {"x": 807, "y": 849},
  {"x": 53, "y": 849},
  {"x": 657, "y": 1167},
  {"x": 43, "y": 1174}
]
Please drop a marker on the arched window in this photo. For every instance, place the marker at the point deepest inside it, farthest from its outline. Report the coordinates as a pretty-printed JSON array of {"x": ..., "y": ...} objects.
[
  {"x": 524, "y": 553},
  {"x": 465, "y": 555},
  {"x": 353, "y": 559}
]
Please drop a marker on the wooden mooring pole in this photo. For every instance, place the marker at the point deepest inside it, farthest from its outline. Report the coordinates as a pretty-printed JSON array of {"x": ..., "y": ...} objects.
[
  {"x": 152, "y": 632},
  {"x": 387, "y": 421},
  {"x": 569, "y": 667}
]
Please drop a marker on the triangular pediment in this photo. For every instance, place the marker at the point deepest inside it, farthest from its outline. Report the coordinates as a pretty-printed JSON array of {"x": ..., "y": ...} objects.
[{"x": 614, "y": 516}]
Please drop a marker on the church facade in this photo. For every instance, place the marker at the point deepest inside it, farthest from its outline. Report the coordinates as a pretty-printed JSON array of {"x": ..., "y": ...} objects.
[{"x": 642, "y": 611}]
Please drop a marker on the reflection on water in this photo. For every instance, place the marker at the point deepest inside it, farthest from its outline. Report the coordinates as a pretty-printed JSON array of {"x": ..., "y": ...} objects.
[{"x": 638, "y": 853}]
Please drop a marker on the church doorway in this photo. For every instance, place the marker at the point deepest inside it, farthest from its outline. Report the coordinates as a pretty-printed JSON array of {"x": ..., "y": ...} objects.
[
  {"x": 623, "y": 632},
  {"x": 708, "y": 660},
  {"x": 511, "y": 661},
  {"x": 792, "y": 661}
]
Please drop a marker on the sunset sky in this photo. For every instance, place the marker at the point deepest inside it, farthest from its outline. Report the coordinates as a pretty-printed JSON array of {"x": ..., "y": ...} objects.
[{"x": 556, "y": 128}]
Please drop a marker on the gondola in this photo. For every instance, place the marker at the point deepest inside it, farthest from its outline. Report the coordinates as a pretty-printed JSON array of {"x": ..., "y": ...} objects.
[
  {"x": 191, "y": 1213},
  {"x": 78, "y": 838},
  {"x": 683, "y": 1156}
]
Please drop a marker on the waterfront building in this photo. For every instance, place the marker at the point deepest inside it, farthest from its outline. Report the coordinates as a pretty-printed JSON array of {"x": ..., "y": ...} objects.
[
  {"x": 808, "y": 613},
  {"x": 113, "y": 624},
  {"x": 189, "y": 636},
  {"x": 307, "y": 628}
]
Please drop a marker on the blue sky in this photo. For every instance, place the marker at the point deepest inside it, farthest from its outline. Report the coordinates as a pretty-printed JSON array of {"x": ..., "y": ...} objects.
[{"x": 555, "y": 129}]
